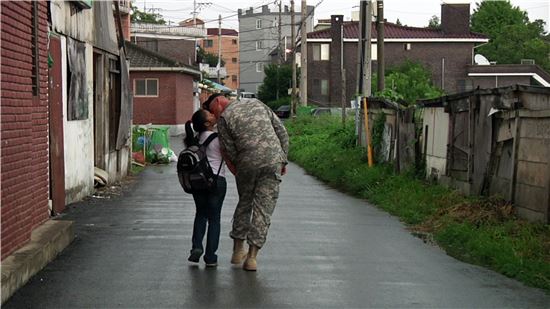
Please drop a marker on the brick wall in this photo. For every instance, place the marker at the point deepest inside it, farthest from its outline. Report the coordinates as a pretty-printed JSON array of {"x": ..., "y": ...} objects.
[
  {"x": 24, "y": 122},
  {"x": 174, "y": 104},
  {"x": 457, "y": 57}
]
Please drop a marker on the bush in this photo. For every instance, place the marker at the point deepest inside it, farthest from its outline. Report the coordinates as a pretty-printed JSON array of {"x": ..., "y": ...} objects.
[{"x": 476, "y": 230}]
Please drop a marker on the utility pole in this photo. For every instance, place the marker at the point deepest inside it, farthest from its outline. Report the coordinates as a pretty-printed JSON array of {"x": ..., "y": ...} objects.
[
  {"x": 219, "y": 47},
  {"x": 303, "y": 73},
  {"x": 194, "y": 13},
  {"x": 280, "y": 33},
  {"x": 380, "y": 44},
  {"x": 342, "y": 74},
  {"x": 292, "y": 48},
  {"x": 279, "y": 53},
  {"x": 367, "y": 73}
]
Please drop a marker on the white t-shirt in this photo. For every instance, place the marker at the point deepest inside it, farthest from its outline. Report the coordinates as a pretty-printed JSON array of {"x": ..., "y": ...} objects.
[{"x": 213, "y": 152}]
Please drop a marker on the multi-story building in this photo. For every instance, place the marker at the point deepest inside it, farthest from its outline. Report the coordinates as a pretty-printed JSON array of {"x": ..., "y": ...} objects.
[
  {"x": 258, "y": 38},
  {"x": 229, "y": 53},
  {"x": 446, "y": 52}
]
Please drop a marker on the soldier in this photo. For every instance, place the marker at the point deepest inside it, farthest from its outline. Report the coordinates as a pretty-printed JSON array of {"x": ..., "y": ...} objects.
[{"x": 255, "y": 146}]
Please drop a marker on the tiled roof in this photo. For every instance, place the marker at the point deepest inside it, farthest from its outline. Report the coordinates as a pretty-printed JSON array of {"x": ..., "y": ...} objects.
[
  {"x": 143, "y": 58},
  {"x": 394, "y": 31},
  {"x": 229, "y": 32}
]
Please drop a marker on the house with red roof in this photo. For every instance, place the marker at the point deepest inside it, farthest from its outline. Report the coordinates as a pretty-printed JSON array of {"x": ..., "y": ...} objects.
[
  {"x": 446, "y": 51},
  {"x": 164, "y": 89}
]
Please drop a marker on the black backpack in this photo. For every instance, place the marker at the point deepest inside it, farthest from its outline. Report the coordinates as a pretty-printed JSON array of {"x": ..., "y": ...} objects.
[{"x": 194, "y": 171}]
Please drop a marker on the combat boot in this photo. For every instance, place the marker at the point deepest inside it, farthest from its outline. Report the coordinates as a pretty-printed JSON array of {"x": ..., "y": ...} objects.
[
  {"x": 238, "y": 251},
  {"x": 250, "y": 262}
]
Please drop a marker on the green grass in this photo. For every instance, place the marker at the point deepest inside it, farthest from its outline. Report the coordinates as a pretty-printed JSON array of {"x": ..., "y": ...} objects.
[{"x": 476, "y": 230}]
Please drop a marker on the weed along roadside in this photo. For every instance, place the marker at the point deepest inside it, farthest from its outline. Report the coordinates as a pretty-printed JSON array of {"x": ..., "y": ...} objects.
[{"x": 482, "y": 231}]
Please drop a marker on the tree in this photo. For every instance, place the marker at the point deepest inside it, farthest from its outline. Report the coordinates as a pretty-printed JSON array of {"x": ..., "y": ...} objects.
[
  {"x": 208, "y": 58},
  {"x": 434, "y": 22},
  {"x": 512, "y": 36},
  {"x": 409, "y": 82},
  {"x": 277, "y": 80},
  {"x": 143, "y": 17}
]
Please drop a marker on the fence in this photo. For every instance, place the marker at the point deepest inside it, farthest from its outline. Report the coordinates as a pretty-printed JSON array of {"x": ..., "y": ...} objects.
[{"x": 482, "y": 142}]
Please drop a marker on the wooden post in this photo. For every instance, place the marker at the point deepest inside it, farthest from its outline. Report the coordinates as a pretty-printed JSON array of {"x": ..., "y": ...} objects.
[
  {"x": 513, "y": 172},
  {"x": 367, "y": 133}
]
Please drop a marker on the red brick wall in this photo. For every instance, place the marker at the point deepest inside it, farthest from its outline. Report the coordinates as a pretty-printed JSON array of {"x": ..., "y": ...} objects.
[
  {"x": 184, "y": 98},
  {"x": 24, "y": 122},
  {"x": 457, "y": 57},
  {"x": 174, "y": 104}
]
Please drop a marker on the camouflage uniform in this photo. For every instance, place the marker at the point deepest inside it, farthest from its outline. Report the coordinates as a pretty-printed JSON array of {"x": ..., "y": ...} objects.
[{"x": 256, "y": 142}]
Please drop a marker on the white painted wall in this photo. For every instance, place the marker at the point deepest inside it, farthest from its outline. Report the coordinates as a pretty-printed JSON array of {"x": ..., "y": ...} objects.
[
  {"x": 78, "y": 26},
  {"x": 438, "y": 134},
  {"x": 78, "y": 137}
]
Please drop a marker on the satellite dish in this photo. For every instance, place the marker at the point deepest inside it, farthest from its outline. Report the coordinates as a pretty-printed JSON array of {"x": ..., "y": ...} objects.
[{"x": 481, "y": 60}]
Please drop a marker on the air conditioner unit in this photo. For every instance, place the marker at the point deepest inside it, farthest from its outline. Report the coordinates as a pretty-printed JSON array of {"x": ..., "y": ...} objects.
[{"x": 527, "y": 61}]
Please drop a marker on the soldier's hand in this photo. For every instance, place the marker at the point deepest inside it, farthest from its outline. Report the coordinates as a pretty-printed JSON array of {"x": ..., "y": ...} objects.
[{"x": 283, "y": 170}]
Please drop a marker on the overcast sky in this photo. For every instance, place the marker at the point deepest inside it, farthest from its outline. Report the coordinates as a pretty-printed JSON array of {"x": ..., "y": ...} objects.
[{"x": 410, "y": 12}]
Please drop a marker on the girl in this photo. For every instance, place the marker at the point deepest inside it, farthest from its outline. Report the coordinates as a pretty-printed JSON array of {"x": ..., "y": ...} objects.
[{"x": 209, "y": 203}]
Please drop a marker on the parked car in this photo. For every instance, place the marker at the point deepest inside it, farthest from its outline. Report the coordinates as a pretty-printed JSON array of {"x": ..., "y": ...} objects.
[
  {"x": 247, "y": 95},
  {"x": 283, "y": 111}
]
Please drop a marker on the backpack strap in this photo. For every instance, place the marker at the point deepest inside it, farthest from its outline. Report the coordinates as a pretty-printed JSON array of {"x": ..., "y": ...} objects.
[{"x": 209, "y": 139}]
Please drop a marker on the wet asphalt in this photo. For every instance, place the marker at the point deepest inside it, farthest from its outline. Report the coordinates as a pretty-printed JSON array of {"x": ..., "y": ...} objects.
[{"x": 324, "y": 250}]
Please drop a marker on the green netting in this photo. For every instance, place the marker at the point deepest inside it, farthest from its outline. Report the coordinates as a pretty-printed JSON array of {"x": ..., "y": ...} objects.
[{"x": 156, "y": 143}]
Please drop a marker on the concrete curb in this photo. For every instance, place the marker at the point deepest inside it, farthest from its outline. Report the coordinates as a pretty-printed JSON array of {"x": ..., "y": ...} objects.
[{"x": 46, "y": 242}]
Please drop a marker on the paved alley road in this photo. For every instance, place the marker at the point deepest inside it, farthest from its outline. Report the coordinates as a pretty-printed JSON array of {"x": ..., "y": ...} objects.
[{"x": 324, "y": 250}]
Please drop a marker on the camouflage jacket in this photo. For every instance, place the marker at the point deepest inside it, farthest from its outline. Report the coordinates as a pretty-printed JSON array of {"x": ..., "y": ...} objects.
[{"x": 252, "y": 135}]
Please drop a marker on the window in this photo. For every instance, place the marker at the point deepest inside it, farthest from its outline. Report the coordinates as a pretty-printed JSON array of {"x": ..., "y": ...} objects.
[
  {"x": 146, "y": 87},
  {"x": 321, "y": 52},
  {"x": 234, "y": 78},
  {"x": 258, "y": 24},
  {"x": 208, "y": 43},
  {"x": 258, "y": 45},
  {"x": 259, "y": 66},
  {"x": 234, "y": 60},
  {"x": 234, "y": 41},
  {"x": 324, "y": 86},
  {"x": 321, "y": 86},
  {"x": 407, "y": 46}
]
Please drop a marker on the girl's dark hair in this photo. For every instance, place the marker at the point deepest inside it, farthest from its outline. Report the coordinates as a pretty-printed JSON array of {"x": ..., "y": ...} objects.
[{"x": 198, "y": 119}]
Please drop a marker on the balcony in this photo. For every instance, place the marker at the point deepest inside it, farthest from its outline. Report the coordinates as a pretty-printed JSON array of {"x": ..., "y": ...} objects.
[
  {"x": 212, "y": 72},
  {"x": 166, "y": 31}
]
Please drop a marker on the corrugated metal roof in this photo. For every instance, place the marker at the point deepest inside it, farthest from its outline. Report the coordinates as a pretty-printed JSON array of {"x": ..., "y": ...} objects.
[{"x": 394, "y": 31}]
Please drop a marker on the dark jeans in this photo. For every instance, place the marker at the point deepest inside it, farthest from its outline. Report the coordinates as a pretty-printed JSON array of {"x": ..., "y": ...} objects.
[{"x": 209, "y": 208}]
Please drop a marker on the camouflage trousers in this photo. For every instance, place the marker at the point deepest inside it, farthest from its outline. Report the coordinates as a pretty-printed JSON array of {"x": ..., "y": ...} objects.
[{"x": 258, "y": 192}]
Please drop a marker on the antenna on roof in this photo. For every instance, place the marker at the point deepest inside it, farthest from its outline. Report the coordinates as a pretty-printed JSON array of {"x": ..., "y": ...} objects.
[{"x": 479, "y": 59}]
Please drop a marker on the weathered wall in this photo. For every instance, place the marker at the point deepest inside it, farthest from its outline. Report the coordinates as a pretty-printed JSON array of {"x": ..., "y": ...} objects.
[
  {"x": 24, "y": 122},
  {"x": 79, "y": 138},
  {"x": 436, "y": 121},
  {"x": 532, "y": 187}
]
